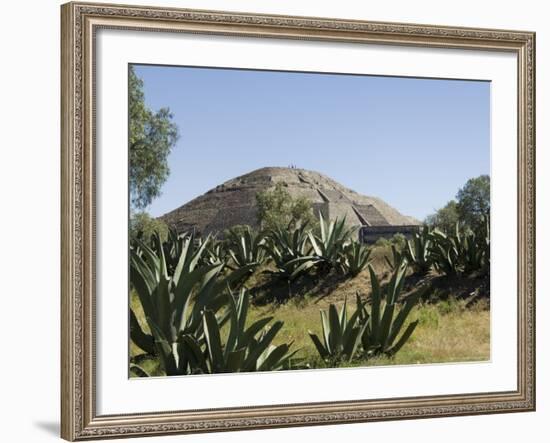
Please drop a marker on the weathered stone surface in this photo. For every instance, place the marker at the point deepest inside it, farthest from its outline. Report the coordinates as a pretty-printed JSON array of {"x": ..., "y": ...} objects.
[{"x": 234, "y": 202}]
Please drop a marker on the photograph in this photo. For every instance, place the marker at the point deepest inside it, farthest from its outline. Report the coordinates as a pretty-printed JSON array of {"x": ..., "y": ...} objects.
[
  {"x": 288, "y": 220},
  {"x": 289, "y": 217}
]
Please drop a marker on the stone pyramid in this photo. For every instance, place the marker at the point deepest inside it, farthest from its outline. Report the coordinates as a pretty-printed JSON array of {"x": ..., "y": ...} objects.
[{"x": 234, "y": 202}]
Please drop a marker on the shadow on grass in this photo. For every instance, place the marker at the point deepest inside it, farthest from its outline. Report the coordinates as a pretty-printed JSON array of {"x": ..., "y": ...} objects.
[{"x": 273, "y": 289}]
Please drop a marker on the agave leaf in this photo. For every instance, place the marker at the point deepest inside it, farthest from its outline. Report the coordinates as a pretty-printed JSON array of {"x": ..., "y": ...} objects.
[
  {"x": 242, "y": 308},
  {"x": 323, "y": 352},
  {"x": 213, "y": 340},
  {"x": 183, "y": 291},
  {"x": 150, "y": 258},
  {"x": 161, "y": 297},
  {"x": 342, "y": 318},
  {"x": 138, "y": 371},
  {"x": 387, "y": 318},
  {"x": 235, "y": 360},
  {"x": 353, "y": 339},
  {"x": 403, "y": 339},
  {"x": 164, "y": 348},
  {"x": 161, "y": 259},
  {"x": 143, "y": 340},
  {"x": 314, "y": 244},
  {"x": 232, "y": 278},
  {"x": 375, "y": 304},
  {"x": 351, "y": 324},
  {"x": 139, "y": 275},
  {"x": 233, "y": 337},
  {"x": 307, "y": 263},
  {"x": 255, "y": 327},
  {"x": 399, "y": 281},
  {"x": 262, "y": 344},
  {"x": 273, "y": 358},
  {"x": 403, "y": 314},
  {"x": 198, "y": 253},
  {"x": 326, "y": 332},
  {"x": 322, "y": 225},
  {"x": 191, "y": 348},
  {"x": 335, "y": 329},
  {"x": 183, "y": 260}
]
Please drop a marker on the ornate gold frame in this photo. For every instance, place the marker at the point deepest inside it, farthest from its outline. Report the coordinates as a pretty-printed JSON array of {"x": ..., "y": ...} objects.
[{"x": 79, "y": 21}]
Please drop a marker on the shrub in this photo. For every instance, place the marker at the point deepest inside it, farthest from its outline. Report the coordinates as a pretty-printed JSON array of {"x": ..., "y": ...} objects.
[
  {"x": 142, "y": 225},
  {"x": 276, "y": 208}
]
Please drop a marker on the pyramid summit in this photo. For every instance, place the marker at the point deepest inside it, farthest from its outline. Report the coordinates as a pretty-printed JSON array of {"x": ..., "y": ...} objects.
[{"x": 234, "y": 203}]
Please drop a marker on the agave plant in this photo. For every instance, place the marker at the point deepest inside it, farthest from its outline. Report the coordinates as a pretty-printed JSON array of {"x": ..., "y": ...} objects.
[
  {"x": 396, "y": 258},
  {"x": 246, "y": 349},
  {"x": 329, "y": 245},
  {"x": 482, "y": 261},
  {"x": 418, "y": 251},
  {"x": 215, "y": 253},
  {"x": 175, "y": 245},
  {"x": 290, "y": 243},
  {"x": 385, "y": 320},
  {"x": 173, "y": 301},
  {"x": 473, "y": 257},
  {"x": 445, "y": 252},
  {"x": 341, "y": 335},
  {"x": 245, "y": 247},
  {"x": 355, "y": 258},
  {"x": 464, "y": 252},
  {"x": 289, "y": 251},
  {"x": 171, "y": 247}
]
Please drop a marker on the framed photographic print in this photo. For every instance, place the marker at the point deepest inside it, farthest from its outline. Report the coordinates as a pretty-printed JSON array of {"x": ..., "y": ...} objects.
[{"x": 282, "y": 221}]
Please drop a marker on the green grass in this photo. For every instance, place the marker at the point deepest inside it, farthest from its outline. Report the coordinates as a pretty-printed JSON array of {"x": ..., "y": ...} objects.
[{"x": 447, "y": 332}]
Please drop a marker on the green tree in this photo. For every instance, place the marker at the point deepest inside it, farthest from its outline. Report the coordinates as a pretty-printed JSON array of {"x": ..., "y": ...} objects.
[
  {"x": 445, "y": 218},
  {"x": 152, "y": 136},
  {"x": 142, "y": 224},
  {"x": 474, "y": 200},
  {"x": 277, "y": 208},
  {"x": 472, "y": 203}
]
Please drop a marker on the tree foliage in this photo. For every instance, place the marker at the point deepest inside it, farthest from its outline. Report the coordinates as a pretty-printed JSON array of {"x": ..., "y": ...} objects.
[
  {"x": 445, "y": 218},
  {"x": 474, "y": 200},
  {"x": 277, "y": 209},
  {"x": 471, "y": 207},
  {"x": 152, "y": 136},
  {"x": 144, "y": 226}
]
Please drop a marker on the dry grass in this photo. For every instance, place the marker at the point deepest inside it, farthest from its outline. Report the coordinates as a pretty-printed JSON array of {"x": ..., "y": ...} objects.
[{"x": 447, "y": 332}]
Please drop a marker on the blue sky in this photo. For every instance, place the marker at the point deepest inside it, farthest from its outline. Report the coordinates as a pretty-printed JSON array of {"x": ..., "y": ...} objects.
[{"x": 412, "y": 142}]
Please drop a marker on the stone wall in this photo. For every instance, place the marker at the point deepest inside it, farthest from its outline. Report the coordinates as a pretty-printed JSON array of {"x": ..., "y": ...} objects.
[{"x": 369, "y": 234}]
